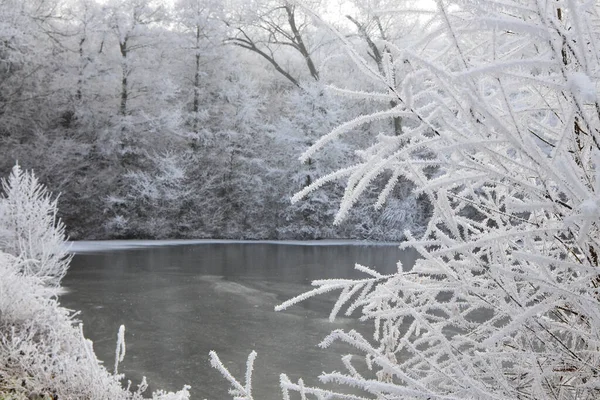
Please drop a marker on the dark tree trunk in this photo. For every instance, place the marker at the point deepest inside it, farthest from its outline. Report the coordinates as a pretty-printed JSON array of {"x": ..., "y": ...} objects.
[{"x": 124, "y": 76}]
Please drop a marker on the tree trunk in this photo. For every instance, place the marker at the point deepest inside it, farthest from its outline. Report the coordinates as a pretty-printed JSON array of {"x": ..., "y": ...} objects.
[
  {"x": 125, "y": 73},
  {"x": 196, "y": 106},
  {"x": 300, "y": 43},
  {"x": 79, "y": 94}
]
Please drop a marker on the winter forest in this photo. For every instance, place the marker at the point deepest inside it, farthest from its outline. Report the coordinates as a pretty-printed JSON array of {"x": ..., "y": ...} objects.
[
  {"x": 183, "y": 119},
  {"x": 467, "y": 129}
]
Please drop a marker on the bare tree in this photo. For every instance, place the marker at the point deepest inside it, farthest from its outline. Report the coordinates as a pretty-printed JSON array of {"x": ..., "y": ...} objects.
[{"x": 274, "y": 27}]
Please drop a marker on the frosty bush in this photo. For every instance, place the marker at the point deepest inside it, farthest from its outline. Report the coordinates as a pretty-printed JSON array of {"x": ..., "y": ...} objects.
[
  {"x": 29, "y": 228},
  {"x": 43, "y": 353},
  {"x": 502, "y": 134}
]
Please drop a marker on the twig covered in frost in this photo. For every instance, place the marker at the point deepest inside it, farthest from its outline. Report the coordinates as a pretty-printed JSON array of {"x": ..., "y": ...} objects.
[
  {"x": 238, "y": 391},
  {"x": 502, "y": 136},
  {"x": 120, "y": 350}
]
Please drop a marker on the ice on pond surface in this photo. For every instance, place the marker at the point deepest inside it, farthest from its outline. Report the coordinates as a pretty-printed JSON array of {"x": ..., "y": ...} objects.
[
  {"x": 180, "y": 302},
  {"x": 89, "y": 246}
]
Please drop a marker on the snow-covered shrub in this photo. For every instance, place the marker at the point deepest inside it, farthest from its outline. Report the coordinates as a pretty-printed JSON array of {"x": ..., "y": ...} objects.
[
  {"x": 504, "y": 302},
  {"x": 43, "y": 353},
  {"x": 30, "y": 229}
]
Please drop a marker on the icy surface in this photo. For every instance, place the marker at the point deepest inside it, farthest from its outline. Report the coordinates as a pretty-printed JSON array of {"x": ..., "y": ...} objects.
[
  {"x": 180, "y": 302},
  {"x": 92, "y": 246}
]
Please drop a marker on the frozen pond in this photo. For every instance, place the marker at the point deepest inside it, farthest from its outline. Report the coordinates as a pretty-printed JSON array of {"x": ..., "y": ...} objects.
[{"x": 178, "y": 302}]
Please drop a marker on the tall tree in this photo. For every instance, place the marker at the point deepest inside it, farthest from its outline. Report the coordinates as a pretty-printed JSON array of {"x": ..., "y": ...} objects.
[
  {"x": 85, "y": 17},
  {"x": 199, "y": 22},
  {"x": 28, "y": 52},
  {"x": 130, "y": 21}
]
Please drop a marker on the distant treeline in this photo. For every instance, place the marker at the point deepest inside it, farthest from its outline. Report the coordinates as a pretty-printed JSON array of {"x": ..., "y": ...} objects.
[{"x": 186, "y": 120}]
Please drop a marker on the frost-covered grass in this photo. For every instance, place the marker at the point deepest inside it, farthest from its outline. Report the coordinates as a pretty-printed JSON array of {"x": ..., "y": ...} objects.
[{"x": 43, "y": 352}]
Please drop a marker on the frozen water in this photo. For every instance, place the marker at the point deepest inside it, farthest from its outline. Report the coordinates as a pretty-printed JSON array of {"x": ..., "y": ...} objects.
[
  {"x": 180, "y": 302},
  {"x": 90, "y": 246}
]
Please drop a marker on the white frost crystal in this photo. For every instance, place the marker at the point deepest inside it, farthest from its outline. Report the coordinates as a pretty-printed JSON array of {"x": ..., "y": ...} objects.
[{"x": 582, "y": 86}]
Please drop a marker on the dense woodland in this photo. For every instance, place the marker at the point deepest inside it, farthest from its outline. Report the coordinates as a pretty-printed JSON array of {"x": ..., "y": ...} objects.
[{"x": 184, "y": 119}]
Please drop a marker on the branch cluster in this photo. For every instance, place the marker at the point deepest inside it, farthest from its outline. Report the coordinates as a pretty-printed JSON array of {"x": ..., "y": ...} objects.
[{"x": 501, "y": 129}]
